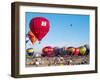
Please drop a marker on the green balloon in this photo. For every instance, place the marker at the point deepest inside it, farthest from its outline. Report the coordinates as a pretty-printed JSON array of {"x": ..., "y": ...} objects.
[{"x": 82, "y": 50}]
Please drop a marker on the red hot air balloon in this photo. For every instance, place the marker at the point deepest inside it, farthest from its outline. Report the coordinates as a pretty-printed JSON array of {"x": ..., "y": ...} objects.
[
  {"x": 75, "y": 51},
  {"x": 39, "y": 27},
  {"x": 48, "y": 51}
]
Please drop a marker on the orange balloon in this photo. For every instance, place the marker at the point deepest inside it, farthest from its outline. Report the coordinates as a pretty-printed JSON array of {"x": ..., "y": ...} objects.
[{"x": 32, "y": 37}]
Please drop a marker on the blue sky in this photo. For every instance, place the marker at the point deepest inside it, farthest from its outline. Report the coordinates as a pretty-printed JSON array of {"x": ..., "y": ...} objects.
[{"x": 61, "y": 33}]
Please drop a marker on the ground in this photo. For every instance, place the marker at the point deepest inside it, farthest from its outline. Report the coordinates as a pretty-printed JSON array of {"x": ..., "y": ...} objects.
[{"x": 56, "y": 61}]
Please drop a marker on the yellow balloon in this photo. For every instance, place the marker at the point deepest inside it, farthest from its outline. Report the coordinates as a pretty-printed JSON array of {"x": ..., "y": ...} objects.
[
  {"x": 30, "y": 50},
  {"x": 82, "y": 50}
]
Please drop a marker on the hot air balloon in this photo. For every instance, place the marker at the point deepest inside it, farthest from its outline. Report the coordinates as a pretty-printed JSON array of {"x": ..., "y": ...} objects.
[
  {"x": 32, "y": 37},
  {"x": 70, "y": 50},
  {"x": 87, "y": 49},
  {"x": 30, "y": 52},
  {"x": 75, "y": 51},
  {"x": 47, "y": 51},
  {"x": 39, "y": 27},
  {"x": 63, "y": 51},
  {"x": 57, "y": 51},
  {"x": 82, "y": 50}
]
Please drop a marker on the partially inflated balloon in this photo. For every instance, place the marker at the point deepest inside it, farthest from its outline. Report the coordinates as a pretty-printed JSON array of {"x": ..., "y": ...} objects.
[
  {"x": 75, "y": 51},
  {"x": 56, "y": 51},
  {"x": 71, "y": 49},
  {"x": 39, "y": 27},
  {"x": 87, "y": 49},
  {"x": 63, "y": 51},
  {"x": 82, "y": 50},
  {"x": 48, "y": 51},
  {"x": 32, "y": 37}
]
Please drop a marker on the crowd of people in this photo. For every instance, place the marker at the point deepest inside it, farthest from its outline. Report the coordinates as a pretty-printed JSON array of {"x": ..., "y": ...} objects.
[{"x": 57, "y": 61}]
